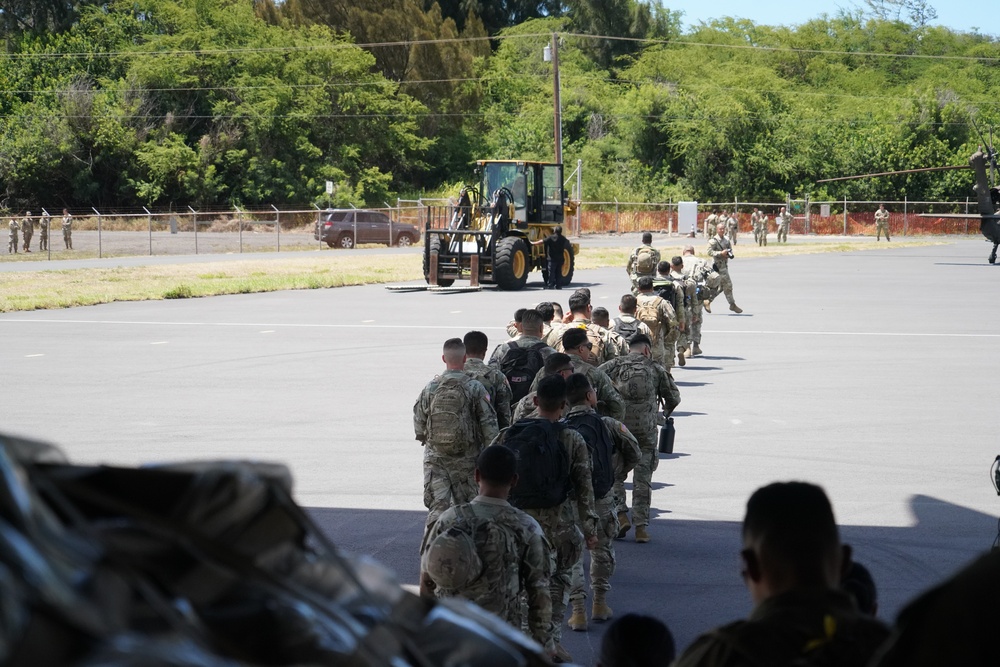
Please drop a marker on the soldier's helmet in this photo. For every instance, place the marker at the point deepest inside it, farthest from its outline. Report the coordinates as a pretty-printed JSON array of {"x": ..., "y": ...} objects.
[{"x": 452, "y": 561}]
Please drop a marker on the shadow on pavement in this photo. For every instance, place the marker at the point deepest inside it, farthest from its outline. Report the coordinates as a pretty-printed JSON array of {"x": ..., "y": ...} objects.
[{"x": 689, "y": 573}]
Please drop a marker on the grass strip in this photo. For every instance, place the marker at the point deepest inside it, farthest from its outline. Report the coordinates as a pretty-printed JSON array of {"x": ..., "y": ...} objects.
[{"x": 67, "y": 288}]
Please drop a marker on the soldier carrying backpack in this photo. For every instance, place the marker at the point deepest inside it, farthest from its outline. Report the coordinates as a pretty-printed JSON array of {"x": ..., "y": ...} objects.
[
  {"x": 520, "y": 359},
  {"x": 454, "y": 421},
  {"x": 643, "y": 260},
  {"x": 614, "y": 452},
  {"x": 555, "y": 487}
]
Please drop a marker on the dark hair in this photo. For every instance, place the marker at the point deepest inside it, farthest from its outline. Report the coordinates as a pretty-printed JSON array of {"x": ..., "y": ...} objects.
[
  {"x": 577, "y": 388},
  {"x": 556, "y": 361},
  {"x": 573, "y": 338},
  {"x": 557, "y": 230},
  {"x": 578, "y": 302},
  {"x": 628, "y": 303},
  {"x": 647, "y": 237},
  {"x": 637, "y": 641},
  {"x": 601, "y": 311},
  {"x": 497, "y": 465},
  {"x": 858, "y": 582},
  {"x": 639, "y": 340},
  {"x": 546, "y": 310},
  {"x": 551, "y": 393},
  {"x": 531, "y": 320},
  {"x": 663, "y": 267},
  {"x": 519, "y": 314},
  {"x": 795, "y": 522},
  {"x": 454, "y": 344},
  {"x": 476, "y": 343},
  {"x": 645, "y": 283},
  {"x": 677, "y": 260}
]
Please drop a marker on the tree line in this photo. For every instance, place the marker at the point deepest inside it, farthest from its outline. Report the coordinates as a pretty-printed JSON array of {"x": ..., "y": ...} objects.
[{"x": 214, "y": 103}]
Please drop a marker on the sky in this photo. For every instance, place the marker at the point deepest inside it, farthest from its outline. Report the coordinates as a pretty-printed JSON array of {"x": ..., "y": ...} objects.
[{"x": 961, "y": 15}]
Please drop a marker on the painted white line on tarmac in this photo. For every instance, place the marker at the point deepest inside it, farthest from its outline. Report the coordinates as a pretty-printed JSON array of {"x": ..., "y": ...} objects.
[
  {"x": 29, "y": 356},
  {"x": 451, "y": 327},
  {"x": 160, "y": 342}
]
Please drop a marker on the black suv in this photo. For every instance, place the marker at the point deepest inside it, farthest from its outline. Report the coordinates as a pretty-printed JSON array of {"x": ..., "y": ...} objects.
[{"x": 347, "y": 228}]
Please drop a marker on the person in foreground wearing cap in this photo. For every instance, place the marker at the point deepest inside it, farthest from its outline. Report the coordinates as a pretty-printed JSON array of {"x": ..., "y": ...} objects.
[{"x": 488, "y": 551}]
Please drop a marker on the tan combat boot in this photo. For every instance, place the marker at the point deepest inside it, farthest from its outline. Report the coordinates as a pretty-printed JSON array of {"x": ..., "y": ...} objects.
[
  {"x": 623, "y": 525},
  {"x": 680, "y": 358},
  {"x": 600, "y": 611},
  {"x": 578, "y": 619},
  {"x": 696, "y": 350},
  {"x": 708, "y": 306},
  {"x": 736, "y": 309},
  {"x": 641, "y": 534},
  {"x": 562, "y": 655}
]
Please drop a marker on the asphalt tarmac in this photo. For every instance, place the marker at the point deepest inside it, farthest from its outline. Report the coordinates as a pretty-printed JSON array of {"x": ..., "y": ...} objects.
[{"x": 871, "y": 373}]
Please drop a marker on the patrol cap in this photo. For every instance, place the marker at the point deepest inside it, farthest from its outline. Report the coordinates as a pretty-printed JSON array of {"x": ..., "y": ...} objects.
[{"x": 452, "y": 561}]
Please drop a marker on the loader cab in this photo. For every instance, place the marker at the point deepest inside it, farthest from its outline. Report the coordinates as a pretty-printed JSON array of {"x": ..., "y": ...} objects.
[{"x": 536, "y": 188}]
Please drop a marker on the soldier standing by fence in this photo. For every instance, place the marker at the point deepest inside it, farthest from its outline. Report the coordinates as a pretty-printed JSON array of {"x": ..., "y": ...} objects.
[
  {"x": 12, "y": 236},
  {"x": 43, "y": 232},
  {"x": 27, "y": 231},
  {"x": 881, "y": 223}
]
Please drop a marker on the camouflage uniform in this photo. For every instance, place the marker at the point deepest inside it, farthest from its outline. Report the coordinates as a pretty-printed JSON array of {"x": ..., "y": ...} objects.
[
  {"x": 632, "y": 268},
  {"x": 605, "y": 348},
  {"x": 27, "y": 231},
  {"x": 563, "y": 524},
  {"x": 711, "y": 221},
  {"x": 12, "y": 236},
  {"x": 786, "y": 629},
  {"x": 523, "y": 342},
  {"x": 881, "y": 224},
  {"x": 732, "y": 229},
  {"x": 621, "y": 345},
  {"x": 602, "y": 558},
  {"x": 645, "y": 384},
  {"x": 698, "y": 270},
  {"x": 784, "y": 221},
  {"x": 67, "y": 230},
  {"x": 525, "y": 567},
  {"x": 449, "y": 479},
  {"x": 496, "y": 386},
  {"x": 718, "y": 244},
  {"x": 628, "y": 319},
  {"x": 609, "y": 401},
  {"x": 666, "y": 332},
  {"x": 679, "y": 303},
  {"x": 43, "y": 232}
]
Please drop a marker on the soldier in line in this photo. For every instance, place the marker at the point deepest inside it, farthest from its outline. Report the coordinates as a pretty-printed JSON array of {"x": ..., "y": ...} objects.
[
  {"x": 488, "y": 551},
  {"x": 673, "y": 288},
  {"x": 557, "y": 363},
  {"x": 43, "y": 232},
  {"x": 792, "y": 559},
  {"x": 67, "y": 229},
  {"x": 568, "y": 519},
  {"x": 602, "y": 318},
  {"x": 626, "y": 325},
  {"x": 644, "y": 385},
  {"x": 643, "y": 260},
  {"x": 720, "y": 250},
  {"x": 12, "y": 240},
  {"x": 454, "y": 421},
  {"x": 497, "y": 387},
  {"x": 881, "y": 223},
  {"x": 581, "y": 312},
  {"x": 706, "y": 280},
  {"x": 580, "y": 351},
  {"x": 784, "y": 221},
  {"x": 516, "y": 359},
  {"x": 27, "y": 230},
  {"x": 613, "y": 450},
  {"x": 657, "y": 313}
]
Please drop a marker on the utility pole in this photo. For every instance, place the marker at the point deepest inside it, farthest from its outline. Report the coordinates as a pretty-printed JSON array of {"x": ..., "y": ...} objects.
[{"x": 551, "y": 52}]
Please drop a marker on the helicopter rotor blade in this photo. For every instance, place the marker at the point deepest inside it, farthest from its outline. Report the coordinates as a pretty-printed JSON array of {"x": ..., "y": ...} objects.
[{"x": 893, "y": 173}]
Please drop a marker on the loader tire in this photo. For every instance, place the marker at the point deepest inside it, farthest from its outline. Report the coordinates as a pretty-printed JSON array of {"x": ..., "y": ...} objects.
[{"x": 511, "y": 264}]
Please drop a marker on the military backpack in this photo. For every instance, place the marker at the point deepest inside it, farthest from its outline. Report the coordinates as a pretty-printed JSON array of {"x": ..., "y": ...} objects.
[
  {"x": 631, "y": 378},
  {"x": 645, "y": 262},
  {"x": 449, "y": 424},
  {"x": 542, "y": 463},
  {"x": 647, "y": 313},
  {"x": 595, "y": 432},
  {"x": 494, "y": 543},
  {"x": 520, "y": 366},
  {"x": 627, "y": 330}
]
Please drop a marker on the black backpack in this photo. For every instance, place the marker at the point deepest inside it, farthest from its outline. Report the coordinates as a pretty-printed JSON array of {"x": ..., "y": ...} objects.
[
  {"x": 626, "y": 330},
  {"x": 520, "y": 367},
  {"x": 595, "y": 432},
  {"x": 542, "y": 463}
]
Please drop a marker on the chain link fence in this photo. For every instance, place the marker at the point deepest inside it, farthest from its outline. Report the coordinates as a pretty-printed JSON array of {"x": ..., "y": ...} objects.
[{"x": 99, "y": 234}]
